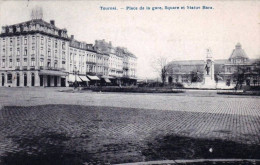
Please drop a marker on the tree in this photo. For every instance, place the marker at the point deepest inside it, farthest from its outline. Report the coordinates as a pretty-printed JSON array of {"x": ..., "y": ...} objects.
[
  {"x": 161, "y": 66},
  {"x": 239, "y": 76}
]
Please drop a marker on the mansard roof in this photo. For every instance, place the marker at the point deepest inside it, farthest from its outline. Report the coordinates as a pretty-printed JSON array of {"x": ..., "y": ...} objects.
[
  {"x": 238, "y": 52},
  {"x": 60, "y": 33}
]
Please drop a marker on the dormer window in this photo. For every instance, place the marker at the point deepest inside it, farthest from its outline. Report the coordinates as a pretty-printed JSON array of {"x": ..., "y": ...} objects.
[
  {"x": 10, "y": 30},
  {"x": 37, "y": 27},
  {"x": 3, "y": 29},
  {"x": 18, "y": 29},
  {"x": 25, "y": 28}
]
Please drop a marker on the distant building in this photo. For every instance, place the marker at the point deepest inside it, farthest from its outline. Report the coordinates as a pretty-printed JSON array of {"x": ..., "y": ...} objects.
[
  {"x": 184, "y": 71},
  {"x": 122, "y": 63}
]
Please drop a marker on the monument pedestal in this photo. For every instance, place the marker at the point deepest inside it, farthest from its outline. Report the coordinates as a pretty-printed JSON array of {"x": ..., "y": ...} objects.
[{"x": 209, "y": 82}]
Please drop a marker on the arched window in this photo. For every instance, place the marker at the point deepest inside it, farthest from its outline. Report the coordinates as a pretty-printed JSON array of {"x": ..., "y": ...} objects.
[
  {"x": 9, "y": 78},
  {"x": 25, "y": 79}
]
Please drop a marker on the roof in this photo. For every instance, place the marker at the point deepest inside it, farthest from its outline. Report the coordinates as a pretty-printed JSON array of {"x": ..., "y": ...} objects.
[
  {"x": 188, "y": 62},
  {"x": 37, "y": 21},
  {"x": 34, "y": 22},
  {"x": 238, "y": 52}
]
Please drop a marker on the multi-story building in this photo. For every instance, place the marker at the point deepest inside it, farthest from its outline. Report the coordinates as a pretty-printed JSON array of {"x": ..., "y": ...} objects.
[
  {"x": 33, "y": 53},
  {"x": 122, "y": 63},
  {"x": 37, "y": 53},
  {"x": 224, "y": 69}
]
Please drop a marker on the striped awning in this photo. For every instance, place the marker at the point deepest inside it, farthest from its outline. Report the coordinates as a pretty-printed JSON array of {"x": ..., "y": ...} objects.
[
  {"x": 107, "y": 80},
  {"x": 84, "y": 78},
  {"x": 93, "y": 77},
  {"x": 72, "y": 78}
]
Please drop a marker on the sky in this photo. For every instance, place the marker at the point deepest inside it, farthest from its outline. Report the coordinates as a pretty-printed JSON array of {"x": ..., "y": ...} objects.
[{"x": 149, "y": 34}]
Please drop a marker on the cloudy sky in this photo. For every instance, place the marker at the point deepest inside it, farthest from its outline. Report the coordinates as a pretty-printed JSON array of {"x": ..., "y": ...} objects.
[{"x": 176, "y": 34}]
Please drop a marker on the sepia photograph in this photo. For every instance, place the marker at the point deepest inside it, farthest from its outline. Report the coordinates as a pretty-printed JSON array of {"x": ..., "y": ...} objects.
[{"x": 129, "y": 82}]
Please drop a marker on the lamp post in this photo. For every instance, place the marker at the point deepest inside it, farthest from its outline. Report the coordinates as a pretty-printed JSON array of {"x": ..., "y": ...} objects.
[{"x": 75, "y": 72}]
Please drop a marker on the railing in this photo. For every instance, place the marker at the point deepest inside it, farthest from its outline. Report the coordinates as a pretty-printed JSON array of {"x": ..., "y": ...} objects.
[
  {"x": 52, "y": 68},
  {"x": 32, "y": 67}
]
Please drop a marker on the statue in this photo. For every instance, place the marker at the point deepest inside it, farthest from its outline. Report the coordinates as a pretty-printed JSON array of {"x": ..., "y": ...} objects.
[{"x": 207, "y": 67}]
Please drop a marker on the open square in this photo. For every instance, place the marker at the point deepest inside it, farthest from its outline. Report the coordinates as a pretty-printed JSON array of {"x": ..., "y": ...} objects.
[{"x": 48, "y": 126}]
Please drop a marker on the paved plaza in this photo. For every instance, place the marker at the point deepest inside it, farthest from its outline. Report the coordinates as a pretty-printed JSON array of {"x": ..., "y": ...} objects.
[{"x": 46, "y": 124}]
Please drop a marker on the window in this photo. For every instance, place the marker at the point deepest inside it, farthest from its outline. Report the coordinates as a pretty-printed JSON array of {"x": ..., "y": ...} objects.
[
  {"x": 11, "y": 42},
  {"x": 63, "y": 55},
  {"x": 63, "y": 45},
  {"x": 17, "y": 62},
  {"x": 33, "y": 49},
  {"x": 3, "y": 62},
  {"x": 25, "y": 51},
  {"x": 25, "y": 62},
  {"x": 42, "y": 40},
  {"x": 49, "y": 64},
  {"x": 41, "y": 62},
  {"x": 71, "y": 57},
  {"x": 10, "y": 62},
  {"x": 11, "y": 51},
  {"x": 33, "y": 39},
  {"x": 49, "y": 52},
  {"x": 4, "y": 50},
  {"x": 41, "y": 51},
  {"x": 56, "y": 54},
  {"x": 49, "y": 42},
  {"x": 55, "y": 64},
  {"x": 18, "y": 51},
  {"x": 63, "y": 64},
  {"x": 32, "y": 61},
  {"x": 56, "y": 44},
  {"x": 25, "y": 41},
  {"x": 3, "y": 41},
  {"x": 9, "y": 78}
]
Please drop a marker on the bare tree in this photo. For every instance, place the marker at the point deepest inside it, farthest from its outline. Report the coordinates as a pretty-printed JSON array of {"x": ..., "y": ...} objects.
[{"x": 161, "y": 66}]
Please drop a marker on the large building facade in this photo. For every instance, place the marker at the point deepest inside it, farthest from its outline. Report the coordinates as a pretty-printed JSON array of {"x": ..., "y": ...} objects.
[
  {"x": 224, "y": 69},
  {"x": 33, "y": 53},
  {"x": 37, "y": 53}
]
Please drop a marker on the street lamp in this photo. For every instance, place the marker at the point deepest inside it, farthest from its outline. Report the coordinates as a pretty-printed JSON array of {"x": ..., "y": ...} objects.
[{"x": 75, "y": 71}]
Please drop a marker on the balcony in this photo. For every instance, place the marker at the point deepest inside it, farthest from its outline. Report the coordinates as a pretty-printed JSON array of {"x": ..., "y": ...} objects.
[
  {"x": 32, "y": 67},
  {"x": 24, "y": 67},
  {"x": 51, "y": 68},
  {"x": 17, "y": 67}
]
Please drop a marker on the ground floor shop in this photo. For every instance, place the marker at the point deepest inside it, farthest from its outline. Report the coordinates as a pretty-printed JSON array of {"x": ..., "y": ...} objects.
[{"x": 33, "y": 78}]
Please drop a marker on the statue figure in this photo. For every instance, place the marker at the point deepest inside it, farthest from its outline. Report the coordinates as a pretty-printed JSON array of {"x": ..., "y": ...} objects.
[{"x": 207, "y": 67}]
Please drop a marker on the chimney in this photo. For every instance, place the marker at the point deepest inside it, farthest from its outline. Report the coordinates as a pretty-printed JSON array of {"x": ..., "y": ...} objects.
[
  {"x": 72, "y": 37},
  {"x": 52, "y": 22}
]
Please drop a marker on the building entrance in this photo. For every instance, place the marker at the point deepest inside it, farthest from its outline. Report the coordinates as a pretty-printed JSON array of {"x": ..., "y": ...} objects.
[
  {"x": 48, "y": 81},
  {"x": 18, "y": 80},
  {"x": 55, "y": 81},
  {"x": 3, "y": 80}
]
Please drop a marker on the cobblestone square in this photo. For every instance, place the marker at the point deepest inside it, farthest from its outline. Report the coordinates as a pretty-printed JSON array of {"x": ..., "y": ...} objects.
[{"x": 48, "y": 126}]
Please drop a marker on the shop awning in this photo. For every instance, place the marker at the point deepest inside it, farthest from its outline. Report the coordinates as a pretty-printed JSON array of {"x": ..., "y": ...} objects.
[
  {"x": 52, "y": 73},
  {"x": 83, "y": 78},
  {"x": 107, "y": 80},
  {"x": 72, "y": 78},
  {"x": 93, "y": 77}
]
